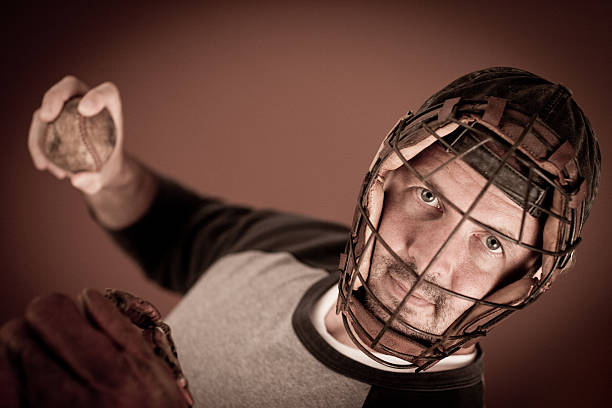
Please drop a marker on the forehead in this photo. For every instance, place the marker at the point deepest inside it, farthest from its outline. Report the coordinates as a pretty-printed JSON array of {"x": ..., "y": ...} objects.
[{"x": 461, "y": 184}]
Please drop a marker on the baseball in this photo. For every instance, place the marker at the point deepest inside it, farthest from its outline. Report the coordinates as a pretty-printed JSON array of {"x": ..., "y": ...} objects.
[{"x": 79, "y": 143}]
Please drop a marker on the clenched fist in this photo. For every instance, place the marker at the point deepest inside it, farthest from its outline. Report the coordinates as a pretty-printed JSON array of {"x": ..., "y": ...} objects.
[
  {"x": 118, "y": 189},
  {"x": 93, "y": 102}
]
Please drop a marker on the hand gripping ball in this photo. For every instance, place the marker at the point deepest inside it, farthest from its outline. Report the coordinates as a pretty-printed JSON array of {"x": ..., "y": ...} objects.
[{"x": 79, "y": 143}]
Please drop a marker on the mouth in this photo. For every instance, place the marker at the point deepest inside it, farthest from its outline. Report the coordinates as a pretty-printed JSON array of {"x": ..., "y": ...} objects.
[{"x": 400, "y": 289}]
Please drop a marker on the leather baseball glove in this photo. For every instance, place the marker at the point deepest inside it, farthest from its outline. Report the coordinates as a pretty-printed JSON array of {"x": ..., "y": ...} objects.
[{"x": 111, "y": 351}]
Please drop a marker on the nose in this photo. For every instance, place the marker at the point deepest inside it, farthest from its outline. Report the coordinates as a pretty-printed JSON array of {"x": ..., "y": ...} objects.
[{"x": 434, "y": 242}]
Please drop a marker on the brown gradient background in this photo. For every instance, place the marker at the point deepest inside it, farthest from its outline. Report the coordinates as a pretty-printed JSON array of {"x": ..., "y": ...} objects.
[{"x": 283, "y": 105}]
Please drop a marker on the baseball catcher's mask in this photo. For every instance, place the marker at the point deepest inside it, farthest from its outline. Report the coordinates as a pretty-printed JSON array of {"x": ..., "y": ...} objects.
[{"x": 514, "y": 151}]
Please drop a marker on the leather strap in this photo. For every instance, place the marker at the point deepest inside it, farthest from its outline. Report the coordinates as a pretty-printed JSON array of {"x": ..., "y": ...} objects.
[
  {"x": 494, "y": 111},
  {"x": 447, "y": 109}
]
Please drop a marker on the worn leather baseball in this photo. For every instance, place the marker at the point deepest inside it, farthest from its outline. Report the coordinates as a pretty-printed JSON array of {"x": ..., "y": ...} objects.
[{"x": 79, "y": 143}]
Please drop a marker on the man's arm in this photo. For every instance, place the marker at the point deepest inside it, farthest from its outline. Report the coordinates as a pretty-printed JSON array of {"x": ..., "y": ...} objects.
[
  {"x": 173, "y": 233},
  {"x": 122, "y": 190},
  {"x": 126, "y": 199},
  {"x": 183, "y": 233}
]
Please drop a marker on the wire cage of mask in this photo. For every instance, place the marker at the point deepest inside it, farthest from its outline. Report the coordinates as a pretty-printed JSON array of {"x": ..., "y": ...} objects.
[{"x": 512, "y": 150}]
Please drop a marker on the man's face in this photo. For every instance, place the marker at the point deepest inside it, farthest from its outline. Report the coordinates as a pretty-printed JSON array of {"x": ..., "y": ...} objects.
[{"x": 415, "y": 223}]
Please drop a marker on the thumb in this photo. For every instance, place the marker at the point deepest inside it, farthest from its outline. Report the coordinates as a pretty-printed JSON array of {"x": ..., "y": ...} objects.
[{"x": 107, "y": 317}]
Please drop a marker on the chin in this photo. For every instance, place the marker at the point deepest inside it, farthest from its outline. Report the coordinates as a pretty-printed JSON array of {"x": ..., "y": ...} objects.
[{"x": 412, "y": 317}]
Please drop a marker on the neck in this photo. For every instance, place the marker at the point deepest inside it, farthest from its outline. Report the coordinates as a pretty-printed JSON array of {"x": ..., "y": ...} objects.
[{"x": 335, "y": 327}]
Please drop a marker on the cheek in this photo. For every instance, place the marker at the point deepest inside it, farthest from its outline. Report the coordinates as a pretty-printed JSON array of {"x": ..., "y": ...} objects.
[
  {"x": 401, "y": 225},
  {"x": 519, "y": 265},
  {"x": 469, "y": 281},
  {"x": 472, "y": 281},
  {"x": 394, "y": 228}
]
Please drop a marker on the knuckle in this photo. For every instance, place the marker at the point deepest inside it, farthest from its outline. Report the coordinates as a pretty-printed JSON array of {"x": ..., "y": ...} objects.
[
  {"x": 69, "y": 78},
  {"x": 108, "y": 85},
  {"x": 92, "y": 96},
  {"x": 49, "y": 299},
  {"x": 37, "y": 157},
  {"x": 49, "y": 95},
  {"x": 109, "y": 88},
  {"x": 60, "y": 88},
  {"x": 34, "y": 149},
  {"x": 8, "y": 330},
  {"x": 58, "y": 174},
  {"x": 41, "y": 305}
]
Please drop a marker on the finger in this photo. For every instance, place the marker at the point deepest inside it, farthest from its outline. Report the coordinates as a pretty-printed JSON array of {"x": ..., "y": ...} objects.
[
  {"x": 103, "y": 96},
  {"x": 37, "y": 131},
  {"x": 56, "y": 171},
  {"x": 10, "y": 384},
  {"x": 58, "y": 94},
  {"x": 87, "y": 182},
  {"x": 117, "y": 326},
  {"x": 108, "y": 318},
  {"x": 43, "y": 382},
  {"x": 87, "y": 351},
  {"x": 9, "y": 387}
]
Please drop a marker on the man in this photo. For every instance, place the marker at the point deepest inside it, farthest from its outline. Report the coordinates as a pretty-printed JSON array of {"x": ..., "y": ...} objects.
[{"x": 469, "y": 211}]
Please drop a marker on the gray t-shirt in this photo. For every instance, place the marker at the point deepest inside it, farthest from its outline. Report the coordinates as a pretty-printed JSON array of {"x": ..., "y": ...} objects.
[{"x": 243, "y": 330}]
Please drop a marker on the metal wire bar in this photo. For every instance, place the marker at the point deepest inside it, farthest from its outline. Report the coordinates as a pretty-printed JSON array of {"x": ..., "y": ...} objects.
[
  {"x": 456, "y": 157},
  {"x": 442, "y": 288},
  {"x": 487, "y": 139},
  {"x": 475, "y": 333},
  {"x": 539, "y": 173},
  {"x": 506, "y": 309},
  {"x": 507, "y": 155},
  {"x": 522, "y": 244},
  {"x": 518, "y": 242},
  {"x": 380, "y": 302},
  {"x": 354, "y": 319},
  {"x": 388, "y": 311},
  {"x": 451, "y": 145},
  {"x": 538, "y": 289},
  {"x": 425, "y": 126},
  {"x": 432, "y": 357},
  {"x": 547, "y": 211},
  {"x": 357, "y": 264},
  {"x": 361, "y": 347},
  {"x": 474, "y": 220},
  {"x": 492, "y": 230},
  {"x": 481, "y": 331},
  {"x": 447, "y": 352},
  {"x": 525, "y": 200}
]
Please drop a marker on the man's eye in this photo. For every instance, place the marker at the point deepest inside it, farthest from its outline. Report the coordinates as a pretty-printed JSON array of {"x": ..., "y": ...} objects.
[
  {"x": 493, "y": 244},
  {"x": 428, "y": 197}
]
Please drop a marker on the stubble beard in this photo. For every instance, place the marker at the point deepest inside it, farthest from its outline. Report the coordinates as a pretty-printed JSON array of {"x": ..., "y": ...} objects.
[{"x": 434, "y": 322}]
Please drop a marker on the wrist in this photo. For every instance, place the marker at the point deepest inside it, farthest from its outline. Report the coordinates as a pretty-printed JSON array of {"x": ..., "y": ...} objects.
[
  {"x": 126, "y": 173},
  {"x": 125, "y": 197}
]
